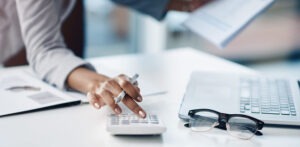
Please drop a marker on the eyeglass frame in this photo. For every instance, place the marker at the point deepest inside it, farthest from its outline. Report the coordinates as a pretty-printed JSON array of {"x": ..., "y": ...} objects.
[{"x": 224, "y": 117}]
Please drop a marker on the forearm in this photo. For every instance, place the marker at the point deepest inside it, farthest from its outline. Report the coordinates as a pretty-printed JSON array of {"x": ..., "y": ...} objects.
[
  {"x": 85, "y": 80},
  {"x": 47, "y": 53}
]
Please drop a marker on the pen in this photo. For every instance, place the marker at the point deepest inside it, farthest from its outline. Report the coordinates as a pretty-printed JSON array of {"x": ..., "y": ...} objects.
[
  {"x": 122, "y": 94},
  {"x": 147, "y": 95},
  {"x": 132, "y": 80}
]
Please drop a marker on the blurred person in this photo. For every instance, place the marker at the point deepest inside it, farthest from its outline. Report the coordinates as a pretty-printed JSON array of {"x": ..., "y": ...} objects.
[{"x": 36, "y": 25}]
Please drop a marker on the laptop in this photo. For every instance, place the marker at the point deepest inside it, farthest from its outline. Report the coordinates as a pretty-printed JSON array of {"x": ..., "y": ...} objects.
[{"x": 274, "y": 100}]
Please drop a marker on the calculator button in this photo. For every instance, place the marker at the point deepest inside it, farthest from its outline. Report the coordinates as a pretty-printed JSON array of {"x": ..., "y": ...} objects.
[
  {"x": 134, "y": 121},
  {"x": 115, "y": 119},
  {"x": 144, "y": 121},
  {"x": 125, "y": 122},
  {"x": 153, "y": 117},
  {"x": 114, "y": 123}
]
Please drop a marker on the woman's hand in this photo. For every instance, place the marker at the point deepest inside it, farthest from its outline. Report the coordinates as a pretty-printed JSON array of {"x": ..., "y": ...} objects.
[
  {"x": 105, "y": 93},
  {"x": 101, "y": 90},
  {"x": 186, "y": 5}
]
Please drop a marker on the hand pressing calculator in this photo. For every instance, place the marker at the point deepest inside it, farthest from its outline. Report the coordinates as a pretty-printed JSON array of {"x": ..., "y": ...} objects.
[{"x": 130, "y": 124}]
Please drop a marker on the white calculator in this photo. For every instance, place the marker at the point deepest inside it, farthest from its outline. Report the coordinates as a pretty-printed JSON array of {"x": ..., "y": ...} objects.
[{"x": 130, "y": 124}]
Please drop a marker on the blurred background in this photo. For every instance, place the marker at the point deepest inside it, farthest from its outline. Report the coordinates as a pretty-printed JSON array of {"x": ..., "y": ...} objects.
[{"x": 270, "y": 44}]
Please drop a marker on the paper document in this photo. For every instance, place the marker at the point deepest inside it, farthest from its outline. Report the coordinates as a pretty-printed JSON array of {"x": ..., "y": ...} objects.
[
  {"x": 221, "y": 20},
  {"x": 22, "y": 93}
]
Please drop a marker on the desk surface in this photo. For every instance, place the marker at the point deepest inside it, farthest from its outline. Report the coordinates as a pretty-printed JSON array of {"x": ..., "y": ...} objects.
[{"x": 84, "y": 126}]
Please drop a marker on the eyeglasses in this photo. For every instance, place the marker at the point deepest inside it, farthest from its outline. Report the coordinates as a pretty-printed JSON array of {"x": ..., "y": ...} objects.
[{"x": 237, "y": 125}]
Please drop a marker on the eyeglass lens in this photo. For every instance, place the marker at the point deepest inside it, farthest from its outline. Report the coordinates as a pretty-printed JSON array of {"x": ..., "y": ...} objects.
[
  {"x": 240, "y": 127},
  {"x": 203, "y": 121}
]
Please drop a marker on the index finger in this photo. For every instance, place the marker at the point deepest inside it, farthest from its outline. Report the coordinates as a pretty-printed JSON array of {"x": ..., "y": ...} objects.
[
  {"x": 133, "y": 106},
  {"x": 129, "y": 88}
]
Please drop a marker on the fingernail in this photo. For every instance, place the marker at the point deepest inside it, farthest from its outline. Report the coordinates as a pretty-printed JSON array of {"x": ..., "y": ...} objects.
[
  {"x": 142, "y": 114},
  {"x": 97, "y": 105},
  {"x": 139, "y": 98},
  {"x": 118, "y": 110}
]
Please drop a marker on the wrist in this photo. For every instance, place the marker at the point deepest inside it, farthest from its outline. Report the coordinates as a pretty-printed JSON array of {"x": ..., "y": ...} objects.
[{"x": 84, "y": 80}]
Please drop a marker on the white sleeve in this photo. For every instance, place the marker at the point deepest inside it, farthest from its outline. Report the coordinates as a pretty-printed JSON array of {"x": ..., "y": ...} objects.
[{"x": 40, "y": 22}]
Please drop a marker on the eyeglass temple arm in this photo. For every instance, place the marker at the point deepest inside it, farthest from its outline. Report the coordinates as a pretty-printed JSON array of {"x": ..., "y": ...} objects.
[{"x": 258, "y": 133}]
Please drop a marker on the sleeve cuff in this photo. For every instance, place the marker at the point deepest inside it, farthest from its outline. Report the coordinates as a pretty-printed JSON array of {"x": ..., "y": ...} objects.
[
  {"x": 67, "y": 68},
  {"x": 154, "y": 8}
]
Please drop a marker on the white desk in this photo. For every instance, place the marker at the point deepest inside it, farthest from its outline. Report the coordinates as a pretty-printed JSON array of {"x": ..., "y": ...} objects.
[{"x": 84, "y": 126}]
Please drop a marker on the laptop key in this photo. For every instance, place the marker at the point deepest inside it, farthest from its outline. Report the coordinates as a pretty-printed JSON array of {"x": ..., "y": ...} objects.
[
  {"x": 247, "y": 107},
  {"x": 255, "y": 110},
  {"x": 270, "y": 112},
  {"x": 245, "y": 93},
  {"x": 284, "y": 112}
]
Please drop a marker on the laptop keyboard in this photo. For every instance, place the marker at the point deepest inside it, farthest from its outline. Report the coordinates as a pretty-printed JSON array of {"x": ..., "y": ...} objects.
[{"x": 266, "y": 96}]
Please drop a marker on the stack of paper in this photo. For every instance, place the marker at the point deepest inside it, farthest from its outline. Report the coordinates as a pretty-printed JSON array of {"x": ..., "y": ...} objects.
[{"x": 221, "y": 20}]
